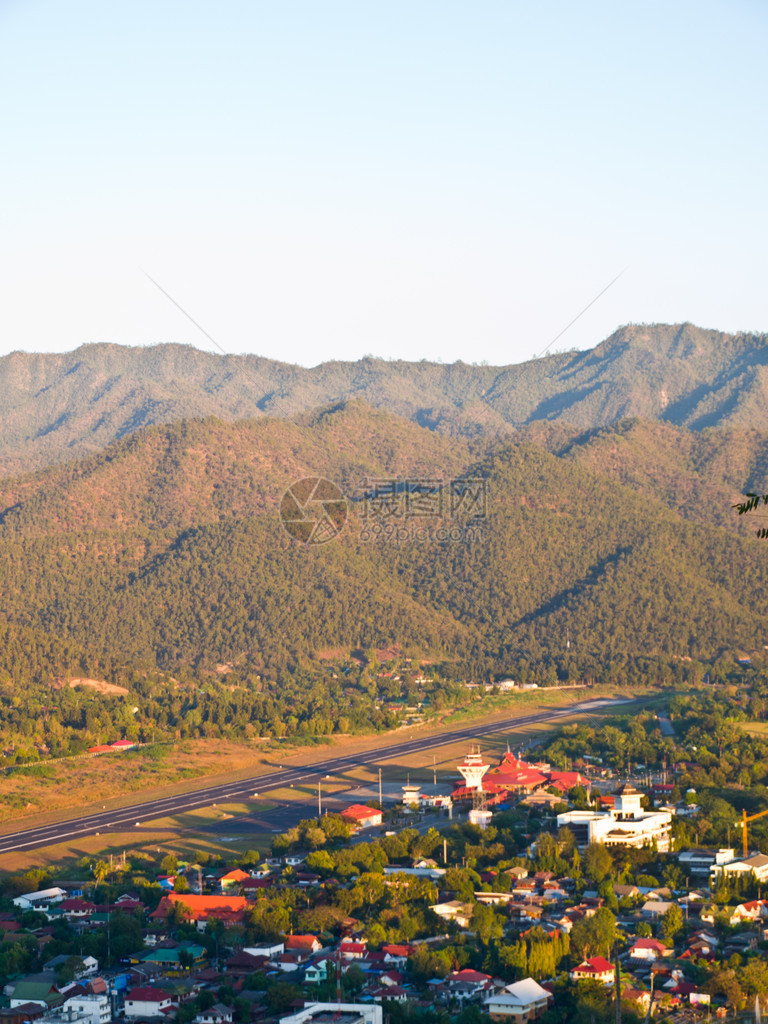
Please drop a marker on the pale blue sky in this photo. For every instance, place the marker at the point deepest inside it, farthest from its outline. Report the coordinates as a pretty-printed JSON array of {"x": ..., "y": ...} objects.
[{"x": 317, "y": 180}]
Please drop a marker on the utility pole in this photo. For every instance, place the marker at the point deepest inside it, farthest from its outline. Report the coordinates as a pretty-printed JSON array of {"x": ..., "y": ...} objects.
[
  {"x": 319, "y": 801},
  {"x": 617, "y": 984},
  {"x": 381, "y": 799}
]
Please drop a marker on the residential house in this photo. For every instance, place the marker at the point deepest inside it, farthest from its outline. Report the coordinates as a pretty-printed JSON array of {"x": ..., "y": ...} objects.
[
  {"x": 757, "y": 864},
  {"x": 391, "y": 993},
  {"x": 468, "y": 984},
  {"x": 233, "y": 878},
  {"x": 655, "y": 909},
  {"x": 597, "y": 968},
  {"x": 317, "y": 972},
  {"x": 23, "y": 1014},
  {"x": 244, "y": 963},
  {"x": 216, "y": 1014},
  {"x": 626, "y": 891},
  {"x": 397, "y": 953},
  {"x": 147, "y": 1002},
  {"x": 639, "y": 999},
  {"x": 519, "y": 1003},
  {"x": 350, "y": 950},
  {"x": 173, "y": 959},
  {"x": 90, "y": 965},
  {"x": 302, "y": 945},
  {"x": 75, "y": 908},
  {"x": 269, "y": 951},
  {"x": 741, "y": 942},
  {"x": 454, "y": 910},
  {"x": 36, "y": 989},
  {"x": 648, "y": 949},
  {"x": 754, "y": 910},
  {"x": 392, "y": 978},
  {"x": 361, "y": 816}
]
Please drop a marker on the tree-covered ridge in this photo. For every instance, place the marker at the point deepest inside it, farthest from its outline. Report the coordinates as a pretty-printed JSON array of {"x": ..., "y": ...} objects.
[
  {"x": 59, "y": 406},
  {"x": 167, "y": 550}
]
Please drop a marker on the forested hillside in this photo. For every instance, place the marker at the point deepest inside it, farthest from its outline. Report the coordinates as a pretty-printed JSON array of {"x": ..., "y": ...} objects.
[
  {"x": 58, "y": 406},
  {"x": 161, "y": 565}
]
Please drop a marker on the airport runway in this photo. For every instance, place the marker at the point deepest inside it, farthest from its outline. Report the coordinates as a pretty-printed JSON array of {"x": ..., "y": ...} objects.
[{"x": 149, "y": 810}]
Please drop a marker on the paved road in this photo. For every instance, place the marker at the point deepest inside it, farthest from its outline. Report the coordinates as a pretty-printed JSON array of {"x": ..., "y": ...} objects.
[{"x": 149, "y": 810}]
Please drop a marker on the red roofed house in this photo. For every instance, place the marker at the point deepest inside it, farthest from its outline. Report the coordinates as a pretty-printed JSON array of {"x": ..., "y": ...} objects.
[
  {"x": 468, "y": 984},
  {"x": 147, "y": 1002},
  {"x": 123, "y": 744},
  {"x": 595, "y": 969},
  {"x": 303, "y": 944},
  {"x": 391, "y": 978},
  {"x": 754, "y": 910},
  {"x": 241, "y": 964},
  {"x": 393, "y": 993},
  {"x": 396, "y": 953},
  {"x": 352, "y": 950},
  {"x": 75, "y": 907},
  {"x": 22, "y": 1014},
  {"x": 648, "y": 949},
  {"x": 229, "y": 909},
  {"x": 362, "y": 816}
]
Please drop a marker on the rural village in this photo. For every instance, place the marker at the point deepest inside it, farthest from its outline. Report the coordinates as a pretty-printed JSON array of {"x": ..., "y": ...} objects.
[{"x": 523, "y": 893}]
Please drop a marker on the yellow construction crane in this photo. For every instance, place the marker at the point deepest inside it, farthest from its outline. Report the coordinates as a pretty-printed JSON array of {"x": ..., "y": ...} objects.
[{"x": 743, "y": 823}]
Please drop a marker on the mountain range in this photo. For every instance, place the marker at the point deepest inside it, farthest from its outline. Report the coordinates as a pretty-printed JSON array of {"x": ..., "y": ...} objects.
[
  {"x": 62, "y": 406},
  {"x": 166, "y": 551},
  {"x": 142, "y": 539}
]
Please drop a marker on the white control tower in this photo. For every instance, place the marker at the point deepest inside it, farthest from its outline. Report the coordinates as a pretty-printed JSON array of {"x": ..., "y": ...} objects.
[{"x": 473, "y": 768}]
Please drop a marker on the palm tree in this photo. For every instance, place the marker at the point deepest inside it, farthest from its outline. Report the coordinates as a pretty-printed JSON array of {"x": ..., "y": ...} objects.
[{"x": 100, "y": 871}]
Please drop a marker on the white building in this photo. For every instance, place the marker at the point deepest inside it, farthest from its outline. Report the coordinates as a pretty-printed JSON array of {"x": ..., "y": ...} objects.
[
  {"x": 39, "y": 900},
  {"x": 757, "y": 863},
  {"x": 274, "y": 949},
  {"x": 85, "y": 1009},
  {"x": 89, "y": 965},
  {"x": 344, "y": 1013},
  {"x": 519, "y": 1003},
  {"x": 433, "y": 873},
  {"x": 625, "y": 824},
  {"x": 414, "y": 796},
  {"x": 701, "y": 862}
]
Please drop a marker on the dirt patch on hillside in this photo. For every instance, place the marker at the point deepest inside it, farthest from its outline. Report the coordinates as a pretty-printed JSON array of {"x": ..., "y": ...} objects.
[{"x": 111, "y": 689}]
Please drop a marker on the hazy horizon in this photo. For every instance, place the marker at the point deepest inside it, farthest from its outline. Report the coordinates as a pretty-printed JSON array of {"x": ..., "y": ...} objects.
[{"x": 317, "y": 182}]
